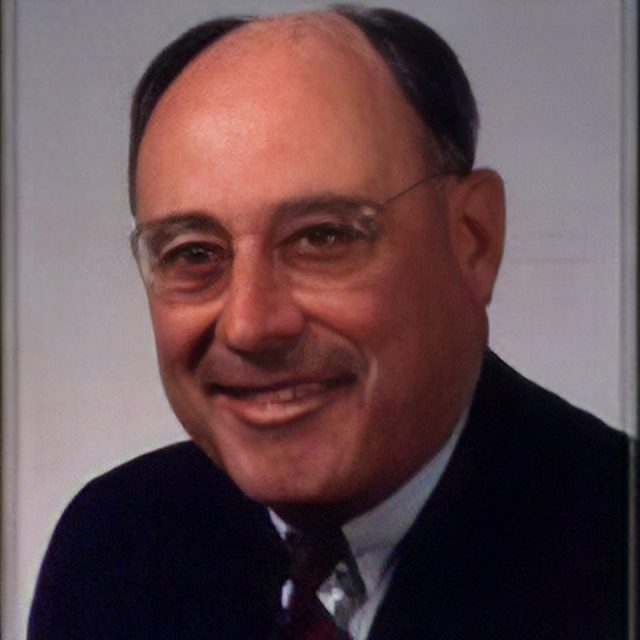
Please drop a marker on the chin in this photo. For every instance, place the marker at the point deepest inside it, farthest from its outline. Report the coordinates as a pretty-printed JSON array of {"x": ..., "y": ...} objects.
[{"x": 280, "y": 488}]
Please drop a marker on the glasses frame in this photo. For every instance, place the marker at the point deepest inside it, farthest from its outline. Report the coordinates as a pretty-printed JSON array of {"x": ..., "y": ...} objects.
[{"x": 146, "y": 271}]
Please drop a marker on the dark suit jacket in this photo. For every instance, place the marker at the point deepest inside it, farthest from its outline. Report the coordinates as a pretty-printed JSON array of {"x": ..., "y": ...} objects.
[{"x": 524, "y": 537}]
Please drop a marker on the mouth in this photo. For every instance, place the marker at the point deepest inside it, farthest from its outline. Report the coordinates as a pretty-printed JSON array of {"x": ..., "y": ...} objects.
[{"x": 276, "y": 403}]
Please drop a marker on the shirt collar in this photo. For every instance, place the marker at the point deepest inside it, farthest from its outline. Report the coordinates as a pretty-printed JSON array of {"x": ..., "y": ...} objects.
[{"x": 373, "y": 535}]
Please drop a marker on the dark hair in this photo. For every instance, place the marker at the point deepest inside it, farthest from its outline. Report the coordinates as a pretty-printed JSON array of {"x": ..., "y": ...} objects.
[{"x": 424, "y": 65}]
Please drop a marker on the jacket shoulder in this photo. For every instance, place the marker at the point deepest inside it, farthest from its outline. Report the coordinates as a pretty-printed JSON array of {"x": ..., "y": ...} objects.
[
  {"x": 157, "y": 547},
  {"x": 163, "y": 488},
  {"x": 539, "y": 416},
  {"x": 526, "y": 535}
]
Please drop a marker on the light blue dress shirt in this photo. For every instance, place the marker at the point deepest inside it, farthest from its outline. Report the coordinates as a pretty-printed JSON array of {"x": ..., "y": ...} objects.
[{"x": 372, "y": 538}]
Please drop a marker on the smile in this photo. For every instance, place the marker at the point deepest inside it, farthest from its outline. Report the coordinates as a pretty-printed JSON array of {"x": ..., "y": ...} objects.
[{"x": 277, "y": 403}]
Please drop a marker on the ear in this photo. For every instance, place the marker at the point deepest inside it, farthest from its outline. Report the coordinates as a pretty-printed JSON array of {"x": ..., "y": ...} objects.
[{"x": 476, "y": 212}]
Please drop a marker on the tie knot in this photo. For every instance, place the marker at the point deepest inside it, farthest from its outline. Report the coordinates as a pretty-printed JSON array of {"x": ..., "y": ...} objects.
[{"x": 314, "y": 556}]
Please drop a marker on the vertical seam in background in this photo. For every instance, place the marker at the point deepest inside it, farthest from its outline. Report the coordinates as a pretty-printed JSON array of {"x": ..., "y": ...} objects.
[
  {"x": 9, "y": 310},
  {"x": 628, "y": 230},
  {"x": 630, "y": 275}
]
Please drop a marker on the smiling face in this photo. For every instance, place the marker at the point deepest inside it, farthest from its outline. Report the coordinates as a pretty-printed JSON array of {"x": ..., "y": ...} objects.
[{"x": 317, "y": 346}]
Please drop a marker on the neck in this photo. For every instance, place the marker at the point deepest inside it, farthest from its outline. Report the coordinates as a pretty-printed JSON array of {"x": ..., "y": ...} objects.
[{"x": 314, "y": 517}]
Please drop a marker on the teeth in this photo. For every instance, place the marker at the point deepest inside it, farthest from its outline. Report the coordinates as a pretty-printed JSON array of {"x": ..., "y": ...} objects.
[{"x": 287, "y": 394}]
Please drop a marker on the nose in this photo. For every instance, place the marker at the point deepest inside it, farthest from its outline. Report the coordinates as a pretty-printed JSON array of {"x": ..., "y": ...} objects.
[{"x": 259, "y": 312}]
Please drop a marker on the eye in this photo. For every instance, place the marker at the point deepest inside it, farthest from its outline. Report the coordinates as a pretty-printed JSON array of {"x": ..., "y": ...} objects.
[
  {"x": 192, "y": 254},
  {"x": 325, "y": 240},
  {"x": 191, "y": 265}
]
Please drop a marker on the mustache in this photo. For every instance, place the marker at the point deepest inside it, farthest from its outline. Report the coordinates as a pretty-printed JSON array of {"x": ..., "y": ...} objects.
[{"x": 310, "y": 360}]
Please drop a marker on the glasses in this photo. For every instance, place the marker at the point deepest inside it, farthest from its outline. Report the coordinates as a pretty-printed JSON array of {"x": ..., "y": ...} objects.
[{"x": 317, "y": 242}]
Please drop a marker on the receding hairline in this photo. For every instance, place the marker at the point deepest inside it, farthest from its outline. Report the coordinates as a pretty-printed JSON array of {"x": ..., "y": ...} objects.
[
  {"x": 326, "y": 26},
  {"x": 421, "y": 65},
  {"x": 328, "y": 31},
  {"x": 302, "y": 24}
]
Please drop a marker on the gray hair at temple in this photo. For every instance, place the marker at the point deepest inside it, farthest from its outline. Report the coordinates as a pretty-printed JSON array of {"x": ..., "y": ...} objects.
[{"x": 425, "y": 67}]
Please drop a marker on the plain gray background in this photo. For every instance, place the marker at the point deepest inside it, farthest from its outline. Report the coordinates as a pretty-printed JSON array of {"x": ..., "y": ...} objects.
[{"x": 81, "y": 388}]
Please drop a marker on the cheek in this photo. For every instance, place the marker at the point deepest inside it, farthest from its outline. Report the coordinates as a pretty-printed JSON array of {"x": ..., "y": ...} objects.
[
  {"x": 405, "y": 322},
  {"x": 178, "y": 332},
  {"x": 359, "y": 314}
]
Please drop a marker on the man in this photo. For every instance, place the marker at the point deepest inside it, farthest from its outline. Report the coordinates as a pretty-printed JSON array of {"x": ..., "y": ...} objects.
[{"x": 319, "y": 253}]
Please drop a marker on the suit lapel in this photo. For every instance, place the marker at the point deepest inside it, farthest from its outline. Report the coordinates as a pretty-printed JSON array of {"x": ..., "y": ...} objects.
[{"x": 442, "y": 559}]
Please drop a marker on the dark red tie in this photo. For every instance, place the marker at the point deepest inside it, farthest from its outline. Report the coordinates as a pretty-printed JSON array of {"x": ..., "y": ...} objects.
[{"x": 313, "y": 559}]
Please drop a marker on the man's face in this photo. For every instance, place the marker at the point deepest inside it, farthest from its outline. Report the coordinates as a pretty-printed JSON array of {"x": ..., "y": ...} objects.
[{"x": 326, "y": 357}]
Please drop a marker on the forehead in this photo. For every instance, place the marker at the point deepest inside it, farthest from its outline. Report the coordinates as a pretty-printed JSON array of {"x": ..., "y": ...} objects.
[
  {"x": 279, "y": 94},
  {"x": 307, "y": 51}
]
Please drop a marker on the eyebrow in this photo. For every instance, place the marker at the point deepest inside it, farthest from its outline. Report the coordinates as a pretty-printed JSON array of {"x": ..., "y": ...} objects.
[
  {"x": 174, "y": 224},
  {"x": 362, "y": 212},
  {"x": 310, "y": 204},
  {"x": 171, "y": 226}
]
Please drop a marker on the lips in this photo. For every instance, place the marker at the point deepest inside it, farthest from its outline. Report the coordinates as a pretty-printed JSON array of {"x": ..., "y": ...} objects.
[
  {"x": 276, "y": 403},
  {"x": 285, "y": 392}
]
